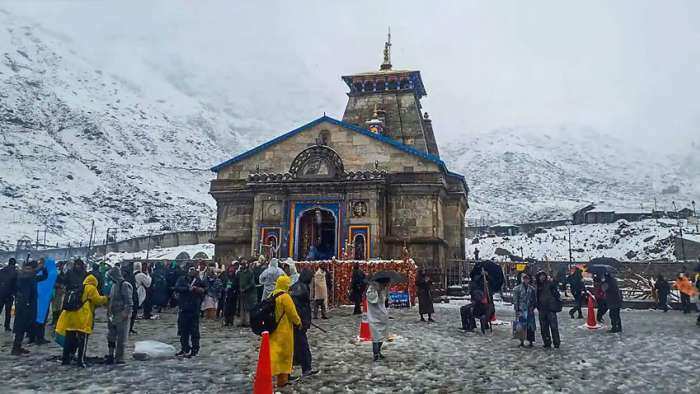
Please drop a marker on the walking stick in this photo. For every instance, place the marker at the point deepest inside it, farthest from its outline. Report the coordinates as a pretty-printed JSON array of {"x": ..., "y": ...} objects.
[{"x": 322, "y": 330}]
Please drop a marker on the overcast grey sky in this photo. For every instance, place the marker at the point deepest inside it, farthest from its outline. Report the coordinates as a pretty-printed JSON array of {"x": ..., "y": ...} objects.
[{"x": 629, "y": 68}]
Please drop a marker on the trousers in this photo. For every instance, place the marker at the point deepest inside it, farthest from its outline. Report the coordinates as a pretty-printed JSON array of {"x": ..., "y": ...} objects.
[
  {"x": 549, "y": 328},
  {"x": 322, "y": 304},
  {"x": 75, "y": 341},
  {"x": 615, "y": 320},
  {"x": 7, "y": 304},
  {"x": 302, "y": 352},
  {"x": 188, "y": 326},
  {"x": 117, "y": 337}
]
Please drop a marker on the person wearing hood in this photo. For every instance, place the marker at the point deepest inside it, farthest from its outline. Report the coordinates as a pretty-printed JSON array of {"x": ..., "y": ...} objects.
[
  {"x": 575, "y": 280},
  {"x": 77, "y": 325},
  {"x": 378, "y": 315},
  {"x": 320, "y": 292},
  {"x": 613, "y": 297},
  {"x": 26, "y": 303},
  {"x": 548, "y": 303},
  {"x": 268, "y": 278},
  {"x": 190, "y": 290},
  {"x": 293, "y": 273},
  {"x": 357, "y": 288},
  {"x": 248, "y": 292},
  {"x": 301, "y": 295},
  {"x": 142, "y": 281},
  {"x": 159, "y": 285},
  {"x": 663, "y": 289},
  {"x": 425, "y": 298},
  {"x": 8, "y": 283},
  {"x": 118, "y": 313},
  {"x": 95, "y": 271},
  {"x": 282, "y": 338}
]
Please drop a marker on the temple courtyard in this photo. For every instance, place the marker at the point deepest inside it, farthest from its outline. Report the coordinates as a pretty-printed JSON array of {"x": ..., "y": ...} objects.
[{"x": 657, "y": 352}]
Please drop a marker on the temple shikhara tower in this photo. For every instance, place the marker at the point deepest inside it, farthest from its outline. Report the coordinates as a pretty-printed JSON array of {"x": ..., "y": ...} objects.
[{"x": 361, "y": 188}]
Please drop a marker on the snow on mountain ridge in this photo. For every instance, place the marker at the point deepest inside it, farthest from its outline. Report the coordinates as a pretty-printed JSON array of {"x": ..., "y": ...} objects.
[
  {"x": 531, "y": 174},
  {"x": 82, "y": 143}
]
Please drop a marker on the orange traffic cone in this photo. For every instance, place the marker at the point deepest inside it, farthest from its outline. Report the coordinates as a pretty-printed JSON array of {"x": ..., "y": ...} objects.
[
  {"x": 591, "y": 322},
  {"x": 365, "y": 333},
  {"x": 263, "y": 374}
]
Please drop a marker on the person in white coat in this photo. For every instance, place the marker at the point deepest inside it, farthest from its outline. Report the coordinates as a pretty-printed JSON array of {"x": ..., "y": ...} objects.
[
  {"x": 268, "y": 278},
  {"x": 378, "y": 315},
  {"x": 142, "y": 281}
]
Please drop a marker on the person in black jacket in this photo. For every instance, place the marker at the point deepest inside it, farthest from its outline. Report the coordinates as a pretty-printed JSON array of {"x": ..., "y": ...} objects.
[
  {"x": 575, "y": 280},
  {"x": 613, "y": 297},
  {"x": 190, "y": 290},
  {"x": 548, "y": 304},
  {"x": 425, "y": 299},
  {"x": 357, "y": 288},
  {"x": 230, "y": 292},
  {"x": 25, "y": 303},
  {"x": 663, "y": 289},
  {"x": 8, "y": 283},
  {"x": 301, "y": 295}
]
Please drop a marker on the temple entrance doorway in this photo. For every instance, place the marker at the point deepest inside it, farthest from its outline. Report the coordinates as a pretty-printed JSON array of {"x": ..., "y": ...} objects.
[{"x": 317, "y": 236}]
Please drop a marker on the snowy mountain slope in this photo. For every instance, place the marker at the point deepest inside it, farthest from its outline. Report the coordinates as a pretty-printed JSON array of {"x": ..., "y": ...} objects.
[
  {"x": 625, "y": 241},
  {"x": 79, "y": 145},
  {"x": 531, "y": 174}
]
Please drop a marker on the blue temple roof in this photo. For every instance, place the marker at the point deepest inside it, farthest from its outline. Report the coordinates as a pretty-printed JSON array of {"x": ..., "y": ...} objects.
[{"x": 405, "y": 148}]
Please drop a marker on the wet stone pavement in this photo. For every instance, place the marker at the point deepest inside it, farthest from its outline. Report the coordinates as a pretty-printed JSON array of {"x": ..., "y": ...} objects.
[{"x": 657, "y": 353}]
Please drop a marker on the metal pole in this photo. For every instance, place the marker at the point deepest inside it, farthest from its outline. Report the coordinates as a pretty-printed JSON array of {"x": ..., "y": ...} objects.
[
  {"x": 92, "y": 231},
  {"x": 680, "y": 228},
  {"x": 571, "y": 258},
  {"x": 148, "y": 248}
]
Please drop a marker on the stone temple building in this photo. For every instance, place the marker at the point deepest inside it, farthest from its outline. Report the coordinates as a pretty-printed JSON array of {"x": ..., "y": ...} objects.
[{"x": 363, "y": 187}]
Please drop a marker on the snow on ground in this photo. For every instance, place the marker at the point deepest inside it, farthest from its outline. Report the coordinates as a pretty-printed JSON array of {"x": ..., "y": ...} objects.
[
  {"x": 628, "y": 241},
  {"x": 425, "y": 358},
  {"x": 162, "y": 253}
]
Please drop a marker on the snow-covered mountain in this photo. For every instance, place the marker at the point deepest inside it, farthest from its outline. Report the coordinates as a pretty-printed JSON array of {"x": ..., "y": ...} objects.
[
  {"x": 79, "y": 143},
  {"x": 533, "y": 174}
]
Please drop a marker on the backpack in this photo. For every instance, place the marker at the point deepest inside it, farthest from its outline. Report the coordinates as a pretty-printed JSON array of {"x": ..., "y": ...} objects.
[
  {"x": 73, "y": 300},
  {"x": 262, "y": 316}
]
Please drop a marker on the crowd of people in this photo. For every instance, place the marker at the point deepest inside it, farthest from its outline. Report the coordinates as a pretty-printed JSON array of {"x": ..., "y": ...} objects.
[{"x": 240, "y": 291}]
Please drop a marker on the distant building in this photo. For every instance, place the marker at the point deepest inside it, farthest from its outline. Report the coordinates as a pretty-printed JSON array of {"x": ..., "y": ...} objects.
[
  {"x": 504, "y": 229},
  {"x": 592, "y": 214}
]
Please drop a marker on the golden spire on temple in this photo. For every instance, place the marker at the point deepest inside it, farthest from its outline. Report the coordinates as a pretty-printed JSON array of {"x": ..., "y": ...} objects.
[{"x": 386, "y": 65}]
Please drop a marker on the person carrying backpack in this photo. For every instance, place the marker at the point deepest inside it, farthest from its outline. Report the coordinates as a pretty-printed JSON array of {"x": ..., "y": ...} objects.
[
  {"x": 190, "y": 290},
  {"x": 282, "y": 337},
  {"x": 25, "y": 303},
  {"x": 76, "y": 320},
  {"x": 118, "y": 313}
]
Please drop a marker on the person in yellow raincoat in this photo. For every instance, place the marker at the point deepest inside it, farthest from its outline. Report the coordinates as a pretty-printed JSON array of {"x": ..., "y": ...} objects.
[
  {"x": 75, "y": 326},
  {"x": 282, "y": 339}
]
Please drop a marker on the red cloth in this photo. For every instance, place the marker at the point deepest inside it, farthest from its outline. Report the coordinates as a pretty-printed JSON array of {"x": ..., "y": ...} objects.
[{"x": 341, "y": 271}]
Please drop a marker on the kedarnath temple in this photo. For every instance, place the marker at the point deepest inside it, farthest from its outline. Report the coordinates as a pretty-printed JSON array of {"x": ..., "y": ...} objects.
[{"x": 361, "y": 188}]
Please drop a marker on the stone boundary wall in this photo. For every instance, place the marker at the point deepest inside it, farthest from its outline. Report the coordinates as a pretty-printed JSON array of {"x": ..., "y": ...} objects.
[{"x": 165, "y": 240}]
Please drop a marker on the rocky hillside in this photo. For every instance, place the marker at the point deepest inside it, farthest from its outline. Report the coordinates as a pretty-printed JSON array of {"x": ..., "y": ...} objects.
[
  {"x": 77, "y": 145},
  {"x": 80, "y": 143},
  {"x": 625, "y": 241},
  {"x": 528, "y": 174}
]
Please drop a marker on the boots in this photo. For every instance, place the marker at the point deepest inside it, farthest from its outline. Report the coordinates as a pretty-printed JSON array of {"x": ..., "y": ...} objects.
[{"x": 109, "y": 358}]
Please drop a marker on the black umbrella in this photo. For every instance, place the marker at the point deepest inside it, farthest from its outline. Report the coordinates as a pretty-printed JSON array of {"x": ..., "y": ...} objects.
[
  {"x": 390, "y": 276},
  {"x": 600, "y": 269}
]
